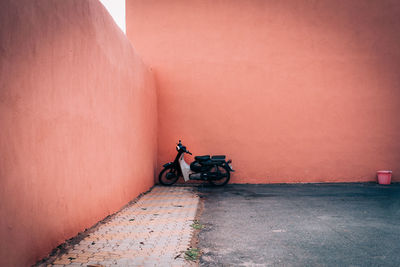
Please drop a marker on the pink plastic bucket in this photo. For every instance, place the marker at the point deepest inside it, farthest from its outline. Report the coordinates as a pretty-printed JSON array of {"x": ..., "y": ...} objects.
[{"x": 384, "y": 177}]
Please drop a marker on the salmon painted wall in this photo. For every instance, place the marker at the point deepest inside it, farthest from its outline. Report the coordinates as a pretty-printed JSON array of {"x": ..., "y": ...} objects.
[
  {"x": 77, "y": 123},
  {"x": 292, "y": 91}
]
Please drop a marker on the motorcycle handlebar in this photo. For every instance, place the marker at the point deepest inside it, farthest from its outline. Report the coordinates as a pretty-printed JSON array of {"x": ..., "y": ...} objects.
[{"x": 183, "y": 148}]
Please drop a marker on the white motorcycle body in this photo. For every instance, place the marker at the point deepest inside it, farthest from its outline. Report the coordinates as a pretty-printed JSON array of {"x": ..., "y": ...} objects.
[{"x": 186, "y": 171}]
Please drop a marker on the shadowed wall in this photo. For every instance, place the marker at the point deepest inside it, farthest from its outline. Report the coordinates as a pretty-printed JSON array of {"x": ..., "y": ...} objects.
[
  {"x": 292, "y": 91},
  {"x": 77, "y": 123}
]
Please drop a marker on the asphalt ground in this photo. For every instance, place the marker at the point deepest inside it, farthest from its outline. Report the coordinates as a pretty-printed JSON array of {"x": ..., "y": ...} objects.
[{"x": 356, "y": 224}]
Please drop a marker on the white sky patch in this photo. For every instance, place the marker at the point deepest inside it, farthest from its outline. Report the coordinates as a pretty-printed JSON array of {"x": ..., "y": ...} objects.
[{"x": 116, "y": 8}]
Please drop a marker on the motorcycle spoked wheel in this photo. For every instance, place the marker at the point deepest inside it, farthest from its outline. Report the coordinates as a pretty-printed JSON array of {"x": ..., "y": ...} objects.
[
  {"x": 168, "y": 176},
  {"x": 223, "y": 175}
]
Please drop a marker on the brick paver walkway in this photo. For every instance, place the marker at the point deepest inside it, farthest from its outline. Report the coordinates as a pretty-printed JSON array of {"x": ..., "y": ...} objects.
[{"x": 154, "y": 231}]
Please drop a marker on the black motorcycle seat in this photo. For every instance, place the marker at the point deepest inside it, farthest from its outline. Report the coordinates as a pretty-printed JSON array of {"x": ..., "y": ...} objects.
[
  {"x": 202, "y": 158},
  {"x": 217, "y": 160},
  {"x": 218, "y": 157}
]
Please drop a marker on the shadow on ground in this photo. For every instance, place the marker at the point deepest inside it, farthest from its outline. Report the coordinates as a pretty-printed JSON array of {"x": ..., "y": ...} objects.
[{"x": 301, "y": 225}]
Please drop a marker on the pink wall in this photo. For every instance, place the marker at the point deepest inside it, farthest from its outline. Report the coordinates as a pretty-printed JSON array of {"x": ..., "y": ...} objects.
[
  {"x": 293, "y": 91},
  {"x": 77, "y": 123}
]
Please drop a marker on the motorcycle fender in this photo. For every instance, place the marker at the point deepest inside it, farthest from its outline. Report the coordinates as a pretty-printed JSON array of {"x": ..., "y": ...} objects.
[
  {"x": 168, "y": 164},
  {"x": 232, "y": 170},
  {"x": 229, "y": 167}
]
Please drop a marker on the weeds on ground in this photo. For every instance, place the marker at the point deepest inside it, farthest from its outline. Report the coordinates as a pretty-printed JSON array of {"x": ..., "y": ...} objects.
[
  {"x": 197, "y": 225},
  {"x": 192, "y": 254}
]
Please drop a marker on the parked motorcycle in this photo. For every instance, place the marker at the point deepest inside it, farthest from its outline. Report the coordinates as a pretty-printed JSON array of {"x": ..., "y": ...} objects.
[{"x": 214, "y": 169}]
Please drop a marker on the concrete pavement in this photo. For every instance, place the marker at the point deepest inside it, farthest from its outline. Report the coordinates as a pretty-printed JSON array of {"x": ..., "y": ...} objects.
[{"x": 301, "y": 225}]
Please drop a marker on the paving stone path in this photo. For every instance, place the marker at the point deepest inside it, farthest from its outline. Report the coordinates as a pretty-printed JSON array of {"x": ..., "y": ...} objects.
[{"x": 154, "y": 231}]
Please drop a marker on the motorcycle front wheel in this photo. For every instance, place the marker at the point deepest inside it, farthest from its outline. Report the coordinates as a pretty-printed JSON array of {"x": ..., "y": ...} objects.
[
  {"x": 222, "y": 174},
  {"x": 168, "y": 176}
]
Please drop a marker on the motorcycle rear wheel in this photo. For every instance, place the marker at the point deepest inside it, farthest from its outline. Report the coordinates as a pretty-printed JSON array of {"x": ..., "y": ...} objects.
[
  {"x": 168, "y": 176},
  {"x": 223, "y": 173}
]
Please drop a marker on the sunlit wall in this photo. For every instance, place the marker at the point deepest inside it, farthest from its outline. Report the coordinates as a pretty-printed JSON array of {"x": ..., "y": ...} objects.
[
  {"x": 292, "y": 91},
  {"x": 78, "y": 120}
]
